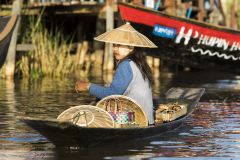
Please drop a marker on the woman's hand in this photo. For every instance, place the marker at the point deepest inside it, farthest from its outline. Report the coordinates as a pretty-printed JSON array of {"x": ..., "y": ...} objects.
[{"x": 82, "y": 86}]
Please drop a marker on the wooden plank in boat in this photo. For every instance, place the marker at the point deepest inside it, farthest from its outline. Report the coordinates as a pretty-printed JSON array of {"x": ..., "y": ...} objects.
[{"x": 184, "y": 93}]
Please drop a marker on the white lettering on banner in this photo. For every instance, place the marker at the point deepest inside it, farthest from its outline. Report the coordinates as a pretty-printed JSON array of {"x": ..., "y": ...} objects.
[
  {"x": 213, "y": 41},
  {"x": 206, "y": 40},
  {"x": 196, "y": 34},
  {"x": 163, "y": 30},
  {"x": 186, "y": 36},
  {"x": 235, "y": 46}
]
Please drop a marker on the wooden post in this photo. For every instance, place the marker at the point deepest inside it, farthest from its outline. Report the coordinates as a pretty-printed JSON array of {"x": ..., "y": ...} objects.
[
  {"x": 10, "y": 60},
  {"x": 32, "y": 1},
  {"x": 171, "y": 7},
  {"x": 220, "y": 7},
  {"x": 150, "y": 61},
  {"x": 138, "y": 2},
  {"x": 78, "y": 52},
  {"x": 98, "y": 46},
  {"x": 181, "y": 9},
  {"x": 156, "y": 68},
  {"x": 156, "y": 62},
  {"x": 212, "y": 4},
  {"x": 201, "y": 13},
  {"x": 233, "y": 16},
  {"x": 108, "y": 55},
  {"x": 83, "y": 52}
]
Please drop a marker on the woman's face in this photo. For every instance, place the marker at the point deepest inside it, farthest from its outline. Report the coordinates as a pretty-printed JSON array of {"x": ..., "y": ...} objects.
[{"x": 121, "y": 51}]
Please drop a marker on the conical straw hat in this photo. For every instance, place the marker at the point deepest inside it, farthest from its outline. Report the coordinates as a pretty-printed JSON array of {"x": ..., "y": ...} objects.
[{"x": 126, "y": 35}]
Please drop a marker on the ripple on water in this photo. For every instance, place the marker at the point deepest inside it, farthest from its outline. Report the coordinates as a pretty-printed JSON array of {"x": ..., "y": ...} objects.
[
  {"x": 211, "y": 132},
  {"x": 165, "y": 142},
  {"x": 186, "y": 134},
  {"x": 26, "y": 138}
]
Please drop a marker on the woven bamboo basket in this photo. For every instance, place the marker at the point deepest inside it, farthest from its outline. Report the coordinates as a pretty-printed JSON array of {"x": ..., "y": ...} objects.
[
  {"x": 169, "y": 112},
  {"x": 128, "y": 105},
  {"x": 87, "y": 116}
]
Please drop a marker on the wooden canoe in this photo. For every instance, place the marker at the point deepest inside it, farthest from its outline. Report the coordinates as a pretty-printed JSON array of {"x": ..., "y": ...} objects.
[
  {"x": 7, "y": 25},
  {"x": 185, "y": 41},
  {"x": 66, "y": 134}
]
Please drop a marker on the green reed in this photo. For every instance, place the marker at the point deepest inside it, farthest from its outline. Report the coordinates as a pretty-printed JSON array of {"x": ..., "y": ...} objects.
[{"x": 51, "y": 55}]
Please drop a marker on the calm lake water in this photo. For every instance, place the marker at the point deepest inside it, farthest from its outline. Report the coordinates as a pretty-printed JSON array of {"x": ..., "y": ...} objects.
[{"x": 211, "y": 132}]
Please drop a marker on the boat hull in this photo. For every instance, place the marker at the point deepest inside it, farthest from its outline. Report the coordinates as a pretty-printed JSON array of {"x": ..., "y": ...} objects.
[
  {"x": 66, "y": 134},
  {"x": 6, "y": 29},
  {"x": 184, "y": 41},
  {"x": 69, "y": 135}
]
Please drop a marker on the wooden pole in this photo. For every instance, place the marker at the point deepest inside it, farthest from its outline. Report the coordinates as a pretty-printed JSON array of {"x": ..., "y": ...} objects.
[
  {"x": 78, "y": 53},
  {"x": 83, "y": 52},
  {"x": 156, "y": 62},
  {"x": 138, "y": 2},
  {"x": 220, "y": 7},
  {"x": 171, "y": 7},
  {"x": 108, "y": 55},
  {"x": 233, "y": 17},
  {"x": 10, "y": 60},
  {"x": 201, "y": 13},
  {"x": 181, "y": 9},
  {"x": 212, "y": 4}
]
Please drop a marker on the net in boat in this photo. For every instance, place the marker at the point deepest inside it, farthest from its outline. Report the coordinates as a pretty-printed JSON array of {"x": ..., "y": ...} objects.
[
  {"x": 87, "y": 116},
  {"x": 119, "y": 105}
]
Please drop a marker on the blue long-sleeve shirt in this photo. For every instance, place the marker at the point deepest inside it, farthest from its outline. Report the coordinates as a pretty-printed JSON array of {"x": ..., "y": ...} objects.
[
  {"x": 120, "y": 82},
  {"x": 128, "y": 81}
]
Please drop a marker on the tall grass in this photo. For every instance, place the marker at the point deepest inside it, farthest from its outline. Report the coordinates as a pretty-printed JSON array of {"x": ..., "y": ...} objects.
[{"x": 51, "y": 55}]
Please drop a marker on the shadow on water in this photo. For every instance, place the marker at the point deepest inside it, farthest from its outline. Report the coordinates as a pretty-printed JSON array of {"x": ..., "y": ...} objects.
[
  {"x": 122, "y": 151},
  {"x": 212, "y": 131}
]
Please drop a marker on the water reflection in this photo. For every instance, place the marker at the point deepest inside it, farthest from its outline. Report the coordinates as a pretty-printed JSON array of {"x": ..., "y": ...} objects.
[
  {"x": 7, "y": 111},
  {"x": 213, "y": 130}
]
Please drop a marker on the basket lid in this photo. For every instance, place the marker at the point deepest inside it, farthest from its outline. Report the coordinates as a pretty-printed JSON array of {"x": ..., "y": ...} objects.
[{"x": 87, "y": 116}]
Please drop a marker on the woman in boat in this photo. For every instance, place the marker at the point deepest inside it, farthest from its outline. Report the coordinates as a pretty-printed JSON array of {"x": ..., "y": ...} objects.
[{"x": 133, "y": 76}]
